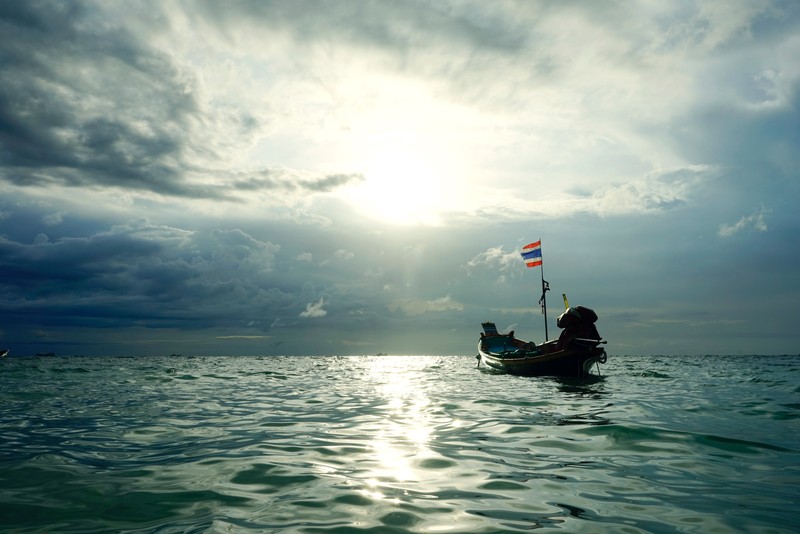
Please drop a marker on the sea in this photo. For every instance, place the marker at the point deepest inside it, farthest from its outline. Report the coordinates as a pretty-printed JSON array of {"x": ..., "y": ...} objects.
[{"x": 397, "y": 444}]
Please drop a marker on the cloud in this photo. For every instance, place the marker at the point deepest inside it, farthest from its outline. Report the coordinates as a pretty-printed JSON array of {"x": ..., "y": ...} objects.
[
  {"x": 293, "y": 180},
  {"x": 418, "y": 307},
  {"x": 93, "y": 105},
  {"x": 315, "y": 309},
  {"x": 755, "y": 220},
  {"x": 494, "y": 259},
  {"x": 87, "y": 102},
  {"x": 41, "y": 239},
  {"x": 53, "y": 218},
  {"x": 193, "y": 167},
  {"x": 258, "y": 111},
  {"x": 138, "y": 274},
  {"x": 658, "y": 191}
]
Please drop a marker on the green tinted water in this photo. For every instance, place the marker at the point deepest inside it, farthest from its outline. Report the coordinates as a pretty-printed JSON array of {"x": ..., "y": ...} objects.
[{"x": 397, "y": 444}]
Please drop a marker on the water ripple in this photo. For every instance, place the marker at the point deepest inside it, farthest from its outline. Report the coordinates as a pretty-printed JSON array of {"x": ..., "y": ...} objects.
[{"x": 410, "y": 444}]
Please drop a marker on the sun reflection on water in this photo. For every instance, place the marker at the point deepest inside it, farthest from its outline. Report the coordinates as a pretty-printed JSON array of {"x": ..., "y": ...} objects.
[{"x": 407, "y": 428}]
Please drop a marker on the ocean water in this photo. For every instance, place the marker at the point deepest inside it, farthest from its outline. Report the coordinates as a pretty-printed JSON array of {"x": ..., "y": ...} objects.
[{"x": 397, "y": 444}]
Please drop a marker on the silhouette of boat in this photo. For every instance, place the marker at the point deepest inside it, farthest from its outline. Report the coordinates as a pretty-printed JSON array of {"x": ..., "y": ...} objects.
[{"x": 574, "y": 353}]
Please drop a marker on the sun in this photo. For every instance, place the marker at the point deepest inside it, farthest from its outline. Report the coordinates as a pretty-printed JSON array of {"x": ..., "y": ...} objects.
[{"x": 405, "y": 181}]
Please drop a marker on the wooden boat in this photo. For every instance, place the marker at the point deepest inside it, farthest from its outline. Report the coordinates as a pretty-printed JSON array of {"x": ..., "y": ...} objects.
[
  {"x": 566, "y": 356},
  {"x": 574, "y": 353}
]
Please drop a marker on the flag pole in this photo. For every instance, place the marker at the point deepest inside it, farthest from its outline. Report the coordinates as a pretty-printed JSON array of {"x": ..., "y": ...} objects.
[
  {"x": 532, "y": 254},
  {"x": 543, "y": 300}
]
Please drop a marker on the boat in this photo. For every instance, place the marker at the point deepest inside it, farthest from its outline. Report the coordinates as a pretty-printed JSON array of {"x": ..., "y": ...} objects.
[
  {"x": 575, "y": 353},
  {"x": 3, "y": 353},
  {"x": 569, "y": 355}
]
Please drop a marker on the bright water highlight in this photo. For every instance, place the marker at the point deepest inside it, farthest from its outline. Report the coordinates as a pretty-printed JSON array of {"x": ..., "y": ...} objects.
[{"x": 397, "y": 444}]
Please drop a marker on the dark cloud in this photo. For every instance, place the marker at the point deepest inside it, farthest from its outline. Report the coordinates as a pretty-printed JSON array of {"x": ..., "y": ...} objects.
[
  {"x": 289, "y": 180},
  {"x": 85, "y": 103},
  {"x": 154, "y": 274},
  {"x": 194, "y": 282},
  {"x": 375, "y": 288},
  {"x": 333, "y": 181}
]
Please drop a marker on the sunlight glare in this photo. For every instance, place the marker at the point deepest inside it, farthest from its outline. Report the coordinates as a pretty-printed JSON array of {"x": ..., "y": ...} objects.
[
  {"x": 407, "y": 428},
  {"x": 406, "y": 182}
]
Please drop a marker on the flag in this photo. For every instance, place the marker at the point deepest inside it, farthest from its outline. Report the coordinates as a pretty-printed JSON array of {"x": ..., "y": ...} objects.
[{"x": 532, "y": 254}]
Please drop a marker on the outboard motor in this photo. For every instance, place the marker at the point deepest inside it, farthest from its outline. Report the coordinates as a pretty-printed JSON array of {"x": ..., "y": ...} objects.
[{"x": 578, "y": 323}]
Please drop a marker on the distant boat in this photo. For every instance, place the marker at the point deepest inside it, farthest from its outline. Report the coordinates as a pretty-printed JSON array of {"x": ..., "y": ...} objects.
[
  {"x": 4, "y": 353},
  {"x": 574, "y": 353},
  {"x": 46, "y": 354}
]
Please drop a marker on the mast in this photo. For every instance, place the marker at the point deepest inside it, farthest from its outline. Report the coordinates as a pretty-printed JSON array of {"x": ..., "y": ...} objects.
[{"x": 543, "y": 300}]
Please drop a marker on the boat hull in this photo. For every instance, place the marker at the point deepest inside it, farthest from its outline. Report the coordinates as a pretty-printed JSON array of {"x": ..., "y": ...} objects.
[{"x": 544, "y": 361}]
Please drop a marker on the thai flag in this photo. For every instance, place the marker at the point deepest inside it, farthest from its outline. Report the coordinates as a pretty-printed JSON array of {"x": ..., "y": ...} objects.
[{"x": 532, "y": 254}]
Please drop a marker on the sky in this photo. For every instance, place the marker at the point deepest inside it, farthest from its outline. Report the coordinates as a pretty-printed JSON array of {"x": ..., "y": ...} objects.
[{"x": 358, "y": 177}]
